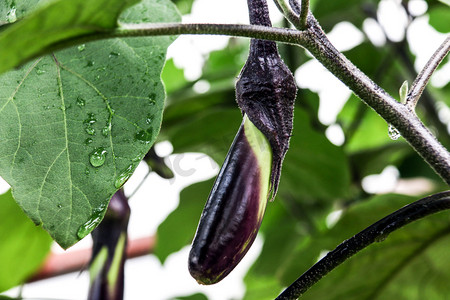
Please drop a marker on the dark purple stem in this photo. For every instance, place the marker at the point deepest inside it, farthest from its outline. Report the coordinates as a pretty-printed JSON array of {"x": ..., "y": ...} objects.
[
  {"x": 375, "y": 232},
  {"x": 107, "y": 236}
]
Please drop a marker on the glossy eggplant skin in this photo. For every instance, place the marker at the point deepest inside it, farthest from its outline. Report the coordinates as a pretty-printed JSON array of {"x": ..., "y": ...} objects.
[{"x": 233, "y": 213}]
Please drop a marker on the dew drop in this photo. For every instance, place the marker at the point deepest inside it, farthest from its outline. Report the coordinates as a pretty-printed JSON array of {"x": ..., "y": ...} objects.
[
  {"x": 98, "y": 157},
  {"x": 90, "y": 63},
  {"x": 91, "y": 119},
  {"x": 87, "y": 171},
  {"x": 138, "y": 157},
  {"x": 93, "y": 221},
  {"x": 39, "y": 71},
  {"x": 394, "y": 134},
  {"x": 88, "y": 141},
  {"x": 59, "y": 205},
  {"x": 113, "y": 54},
  {"x": 97, "y": 77},
  {"x": 82, "y": 47},
  {"x": 123, "y": 177},
  {"x": 151, "y": 98},
  {"x": 80, "y": 101},
  {"x": 11, "y": 15},
  {"x": 90, "y": 130},
  {"x": 105, "y": 131},
  {"x": 144, "y": 136},
  {"x": 149, "y": 119}
]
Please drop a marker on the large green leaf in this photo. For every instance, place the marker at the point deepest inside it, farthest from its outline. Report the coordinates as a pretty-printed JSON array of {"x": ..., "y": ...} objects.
[
  {"x": 411, "y": 263},
  {"x": 58, "y": 21},
  {"x": 75, "y": 125},
  {"x": 179, "y": 227},
  {"x": 23, "y": 246}
]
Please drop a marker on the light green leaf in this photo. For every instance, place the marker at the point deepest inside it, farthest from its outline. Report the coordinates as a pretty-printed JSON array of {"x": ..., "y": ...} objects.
[
  {"x": 179, "y": 227},
  {"x": 76, "y": 124},
  {"x": 439, "y": 18},
  {"x": 403, "y": 92},
  {"x": 55, "y": 22},
  {"x": 23, "y": 246}
]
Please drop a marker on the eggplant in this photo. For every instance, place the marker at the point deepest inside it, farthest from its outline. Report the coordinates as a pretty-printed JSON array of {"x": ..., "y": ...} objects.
[
  {"x": 249, "y": 177},
  {"x": 235, "y": 208}
]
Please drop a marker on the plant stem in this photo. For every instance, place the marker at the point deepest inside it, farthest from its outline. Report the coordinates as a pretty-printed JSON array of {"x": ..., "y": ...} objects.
[
  {"x": 400, "y": 116},
  {"x": 288, "y": 12},
  {"x": 375, "y": 232},
  {"x": 316, "y": 42},
  {"x": 304, "y": 10},
  {"x": 422, "y": 79}
]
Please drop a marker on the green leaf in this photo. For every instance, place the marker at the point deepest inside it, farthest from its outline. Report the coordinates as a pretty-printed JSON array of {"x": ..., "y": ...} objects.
[
  {"x": 445, "y": 2},
  {"x": 57, "y": 21},
  {"x": 23, "y": 246},
  {"x": 179, "y": 227},
  {"x": 371, "y": 125},
  {"x": 197, "y": 296},
  {"x": 439, "y": 18},
  {"x": 76, "y": 124},
  {"x": 411, "y": 263},
  {"x": 261, "y": 288},
  {"x": 313, "y": 167}
]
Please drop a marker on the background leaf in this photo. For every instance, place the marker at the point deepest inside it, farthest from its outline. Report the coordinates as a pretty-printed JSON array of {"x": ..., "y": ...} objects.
[
  {"x": 411, "y": 263},
  {"x": 24, "y": 246},
  {"x": 179, "y": 227},
  {"x": 76, "y": 124},
  {"x": 439, "y": 17},
  {"x": 47, "y": 26}
]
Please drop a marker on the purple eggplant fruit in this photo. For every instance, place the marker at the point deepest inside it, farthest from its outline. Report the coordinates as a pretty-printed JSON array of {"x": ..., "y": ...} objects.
[
  {"x": 265, "y": 93},
  {"x": 235, "y": 207}
]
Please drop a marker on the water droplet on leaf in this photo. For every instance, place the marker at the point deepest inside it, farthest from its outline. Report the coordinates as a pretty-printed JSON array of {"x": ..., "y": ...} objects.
[
  {"x": 123, "y": 177},
  {"x": 151, "y": 98},
  {"x": 80, "y": 101},
  {"x": 113, "y": 54},
  {"x": 81, "y": 47},
  {"x": 94, "y": 220},
  {"x": 11, "y": 15},
  {"x": 138, "y": 157},
  {"x": 394, "y": 134},
  {"x": 39, "y": 71},
  {"x": 90, "y": 130},
  {"x": 98, "y": 157},
  {"x": 88, "y": 141},
  {"x": 144, "y": 136},
  {"x": 59, "y": 205},
  {"x": 90, "y": 63},
  {"x": 149, "y": 119}
]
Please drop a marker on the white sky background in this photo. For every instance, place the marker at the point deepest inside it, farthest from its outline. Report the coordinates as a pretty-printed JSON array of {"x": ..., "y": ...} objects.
[{"x": 145, "y": 277}]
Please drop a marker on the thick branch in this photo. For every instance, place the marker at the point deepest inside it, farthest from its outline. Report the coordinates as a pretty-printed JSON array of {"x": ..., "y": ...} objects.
[
  {"x": 371, "y": 234},
  {"x": 422, "y": 79},
  {"x": 395, "y": 113}
]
